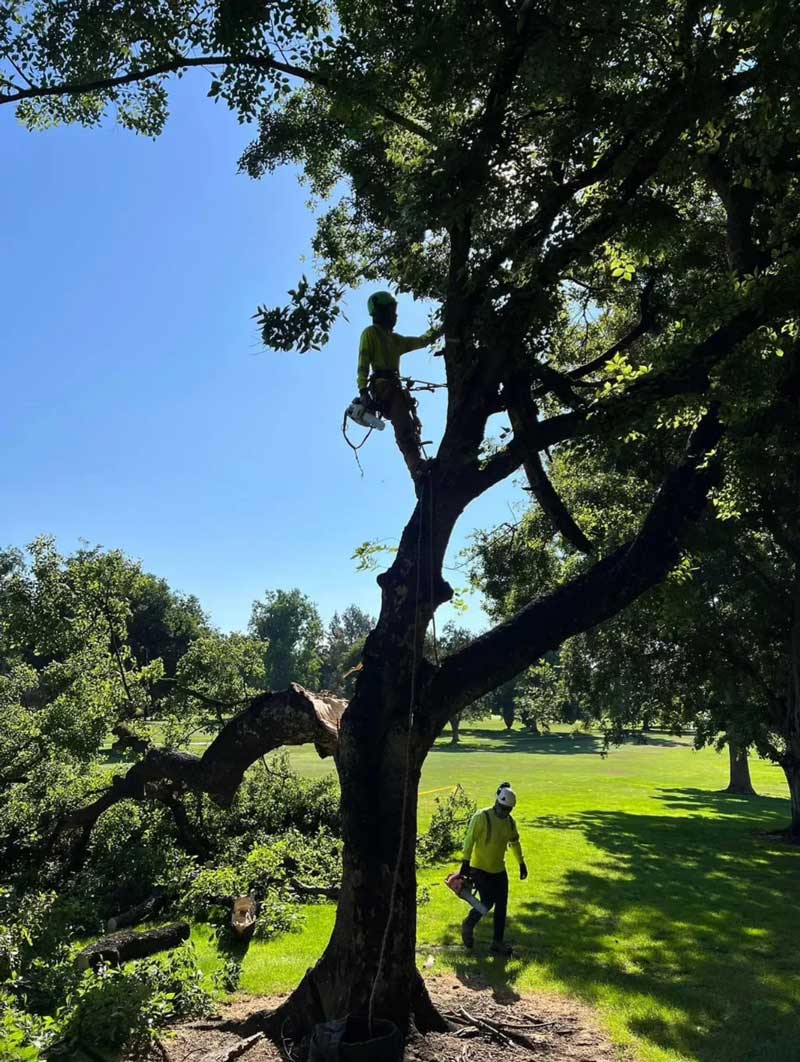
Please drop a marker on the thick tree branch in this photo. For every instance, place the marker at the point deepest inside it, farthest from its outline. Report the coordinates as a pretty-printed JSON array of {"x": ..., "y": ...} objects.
[
  {"x": 739, "y": 203},
  {"x": 525, "y": 422},
  {"x": 288, "y": 717},
  {"x": 184, "y": 62},
  {"x": 601, "y": 592},
  {"x": 679, "y": 107},
  {"x": 642, "y": 327}
]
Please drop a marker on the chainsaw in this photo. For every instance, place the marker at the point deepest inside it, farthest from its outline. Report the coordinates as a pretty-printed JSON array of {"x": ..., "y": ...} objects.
[
  {"x": 360, "y": 413},
  {"x": 460, "y": 886}
]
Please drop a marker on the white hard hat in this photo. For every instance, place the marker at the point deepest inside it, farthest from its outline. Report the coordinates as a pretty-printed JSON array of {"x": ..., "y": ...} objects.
[{"x": 506, "y": 797}]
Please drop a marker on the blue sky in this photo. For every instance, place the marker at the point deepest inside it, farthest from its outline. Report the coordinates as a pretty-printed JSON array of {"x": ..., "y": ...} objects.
[{"x": 140, "y": 411}]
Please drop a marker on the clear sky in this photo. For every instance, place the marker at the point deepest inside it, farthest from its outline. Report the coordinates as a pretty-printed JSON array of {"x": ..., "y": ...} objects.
[{"x": 139, "y": 410}]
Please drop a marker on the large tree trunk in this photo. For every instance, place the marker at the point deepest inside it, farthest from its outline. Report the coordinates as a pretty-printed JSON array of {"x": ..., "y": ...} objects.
[
  {"x": 368, "y": 968},
  {"x": 455, "y": 727},
  {"x": 740, "y": 782}
]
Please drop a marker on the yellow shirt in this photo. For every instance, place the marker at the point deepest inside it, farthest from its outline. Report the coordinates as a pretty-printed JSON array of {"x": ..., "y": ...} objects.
[
  {"x": 487, "y": 838},
  {"x": 382, "y": 350}
]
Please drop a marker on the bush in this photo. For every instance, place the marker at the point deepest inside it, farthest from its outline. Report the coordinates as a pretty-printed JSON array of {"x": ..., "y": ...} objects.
[
  {"x": 446, "y": 831},
  {"x": 125, "y": 1007}
]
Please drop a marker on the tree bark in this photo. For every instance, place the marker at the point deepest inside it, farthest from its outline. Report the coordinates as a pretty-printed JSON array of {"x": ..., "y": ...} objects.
[
  {"x": 455, "y": 727},
  {"x": 792, "y": 772},
  {"x": 369, "y": 962},
  {"x": 739, "y": 782},
  {"x": 140, "y": 913},
  {"x": 126, "y": 945}
]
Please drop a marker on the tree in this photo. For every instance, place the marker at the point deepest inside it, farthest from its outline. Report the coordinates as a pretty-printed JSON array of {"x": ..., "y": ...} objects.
[
  {"x": 163, "y": 623},
  {"x": 341, "y": 652},
  {"x": 454, "y": 637},
  {"x": 67, "y": 676},
  {"x": 288, "y": 622},
  {"x": 713, "y": 646},
  {"x": 600, "y": 200}
]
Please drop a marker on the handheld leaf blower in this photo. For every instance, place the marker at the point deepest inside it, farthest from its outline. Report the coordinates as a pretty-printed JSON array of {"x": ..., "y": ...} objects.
[{"x": 460, "y": 886}]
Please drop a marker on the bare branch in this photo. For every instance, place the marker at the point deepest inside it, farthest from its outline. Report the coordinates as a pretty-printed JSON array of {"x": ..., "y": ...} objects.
[{"x": 524, "y": 421}]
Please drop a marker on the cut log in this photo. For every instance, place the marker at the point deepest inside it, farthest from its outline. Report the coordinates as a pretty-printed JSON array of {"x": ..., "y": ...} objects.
[
  {"x": 140, "y": 913},
  {"x": 126, "y": 945}
]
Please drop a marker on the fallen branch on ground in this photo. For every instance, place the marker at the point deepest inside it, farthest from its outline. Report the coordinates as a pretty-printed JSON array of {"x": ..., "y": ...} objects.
[
  {"x": 234, "y": 1052},
  {"x": 122, "y": 947}
]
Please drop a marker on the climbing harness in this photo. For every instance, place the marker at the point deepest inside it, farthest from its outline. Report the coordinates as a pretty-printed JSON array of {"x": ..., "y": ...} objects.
[{"x": 367, "y": 414}]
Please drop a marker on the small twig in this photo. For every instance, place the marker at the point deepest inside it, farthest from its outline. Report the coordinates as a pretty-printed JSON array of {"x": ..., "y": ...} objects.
[{"x": 481, "y": 1024}]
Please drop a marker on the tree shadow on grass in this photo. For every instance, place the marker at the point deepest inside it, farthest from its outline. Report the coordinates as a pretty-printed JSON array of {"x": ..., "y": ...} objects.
[
  {"x": 692, "y": 920},
  {"x": 758, "y": 811},
  {"x": 522, "y": 741}
]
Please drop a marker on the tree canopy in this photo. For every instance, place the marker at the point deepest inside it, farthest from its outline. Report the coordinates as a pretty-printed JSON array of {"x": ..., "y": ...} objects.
[{"x": 600, "y": 201}]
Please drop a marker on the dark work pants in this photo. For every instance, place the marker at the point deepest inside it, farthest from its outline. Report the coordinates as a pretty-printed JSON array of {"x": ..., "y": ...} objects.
[
  {"x": 396, "y": 403},
  {"x": 492, "y": 890}
]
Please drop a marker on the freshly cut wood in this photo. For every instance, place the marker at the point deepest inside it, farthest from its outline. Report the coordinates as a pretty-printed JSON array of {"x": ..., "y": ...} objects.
[
  {"x": 121, "y": 947},
  {"x": 243, "y": 917},
  {"x": 140, "y": 913}
]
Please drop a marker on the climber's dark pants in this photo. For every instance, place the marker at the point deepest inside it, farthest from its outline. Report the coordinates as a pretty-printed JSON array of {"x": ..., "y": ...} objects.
[
  {"x": 492, "y": 890},
  {"x": 394, "y": 401}
]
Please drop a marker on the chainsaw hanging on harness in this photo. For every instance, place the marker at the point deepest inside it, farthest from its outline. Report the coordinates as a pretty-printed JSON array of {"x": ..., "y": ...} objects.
[{"x": 364, "y": 414}]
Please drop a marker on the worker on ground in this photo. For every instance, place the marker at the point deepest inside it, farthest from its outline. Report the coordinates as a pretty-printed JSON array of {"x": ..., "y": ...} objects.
[
  {"x": 490, "y": 832},
  {"x": 379, "y": 383}
]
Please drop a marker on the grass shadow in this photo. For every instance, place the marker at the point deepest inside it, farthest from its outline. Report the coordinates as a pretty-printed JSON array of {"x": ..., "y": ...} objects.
[
  {"x": 482, "y": 741},
  {"x": 690, "y": 917}
]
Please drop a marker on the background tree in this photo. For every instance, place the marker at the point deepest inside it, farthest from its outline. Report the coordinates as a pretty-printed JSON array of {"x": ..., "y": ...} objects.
[
  {"x": 288, "y": 622},
  {"x": 514, "y": 165},
  {"x": 342, "y": 648},
  {"x": 163, "y": 623}
]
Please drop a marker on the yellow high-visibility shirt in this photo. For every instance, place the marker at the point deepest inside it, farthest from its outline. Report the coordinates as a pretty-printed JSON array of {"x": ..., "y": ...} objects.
[
  {"x": 487, "y": 838},
  {"x": 382, "y": 350}
]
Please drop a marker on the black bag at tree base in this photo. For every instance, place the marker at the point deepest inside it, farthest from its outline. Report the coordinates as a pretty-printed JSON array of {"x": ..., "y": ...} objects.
[{"x": 351, "y": 1040}]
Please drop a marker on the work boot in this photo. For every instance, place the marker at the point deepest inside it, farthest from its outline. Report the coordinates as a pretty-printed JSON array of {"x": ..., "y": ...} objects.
[
  {"x": 499, "y": 947},
  {"x": 467, "y": 933}
]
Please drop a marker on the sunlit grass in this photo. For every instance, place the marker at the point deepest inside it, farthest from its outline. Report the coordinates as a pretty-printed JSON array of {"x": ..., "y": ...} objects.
[{"x": 651, "y": 895}]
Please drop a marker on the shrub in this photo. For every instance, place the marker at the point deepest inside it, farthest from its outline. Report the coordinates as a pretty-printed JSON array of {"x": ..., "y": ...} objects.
[
  {"x": 125, "y": 1007},
  {"x": 446, "y": 830}
]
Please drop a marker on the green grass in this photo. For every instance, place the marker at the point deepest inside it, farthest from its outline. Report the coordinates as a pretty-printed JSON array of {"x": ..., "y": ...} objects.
[{"x": 650, "y": 894}]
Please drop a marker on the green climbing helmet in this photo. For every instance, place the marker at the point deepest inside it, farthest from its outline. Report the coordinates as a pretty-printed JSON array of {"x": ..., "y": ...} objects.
[{"x": 380, "y": 298}]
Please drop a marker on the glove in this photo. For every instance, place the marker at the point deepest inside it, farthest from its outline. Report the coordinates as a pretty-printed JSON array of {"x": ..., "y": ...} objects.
[
  {"x": 523, "y": 871},
  {"x": 466, "y": 869},
  {"x": 364, "y": 394}
]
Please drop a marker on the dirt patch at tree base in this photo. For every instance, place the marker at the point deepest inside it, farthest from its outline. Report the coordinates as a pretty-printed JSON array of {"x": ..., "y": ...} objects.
[{"x": 556, "y": 1030}]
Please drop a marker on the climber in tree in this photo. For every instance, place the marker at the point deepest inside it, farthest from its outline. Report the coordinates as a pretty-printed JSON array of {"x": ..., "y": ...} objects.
[
  {"x": 379, "y": 356},
  {"x": 490, "y": 832}
]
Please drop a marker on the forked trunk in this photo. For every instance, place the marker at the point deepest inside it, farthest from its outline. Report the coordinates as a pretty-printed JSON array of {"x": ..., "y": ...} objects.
[{"x": 740, "y": 782}]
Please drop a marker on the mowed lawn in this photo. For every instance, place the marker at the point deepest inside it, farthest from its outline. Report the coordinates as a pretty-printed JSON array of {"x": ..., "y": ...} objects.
[{"x": 651, "y": 895}]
